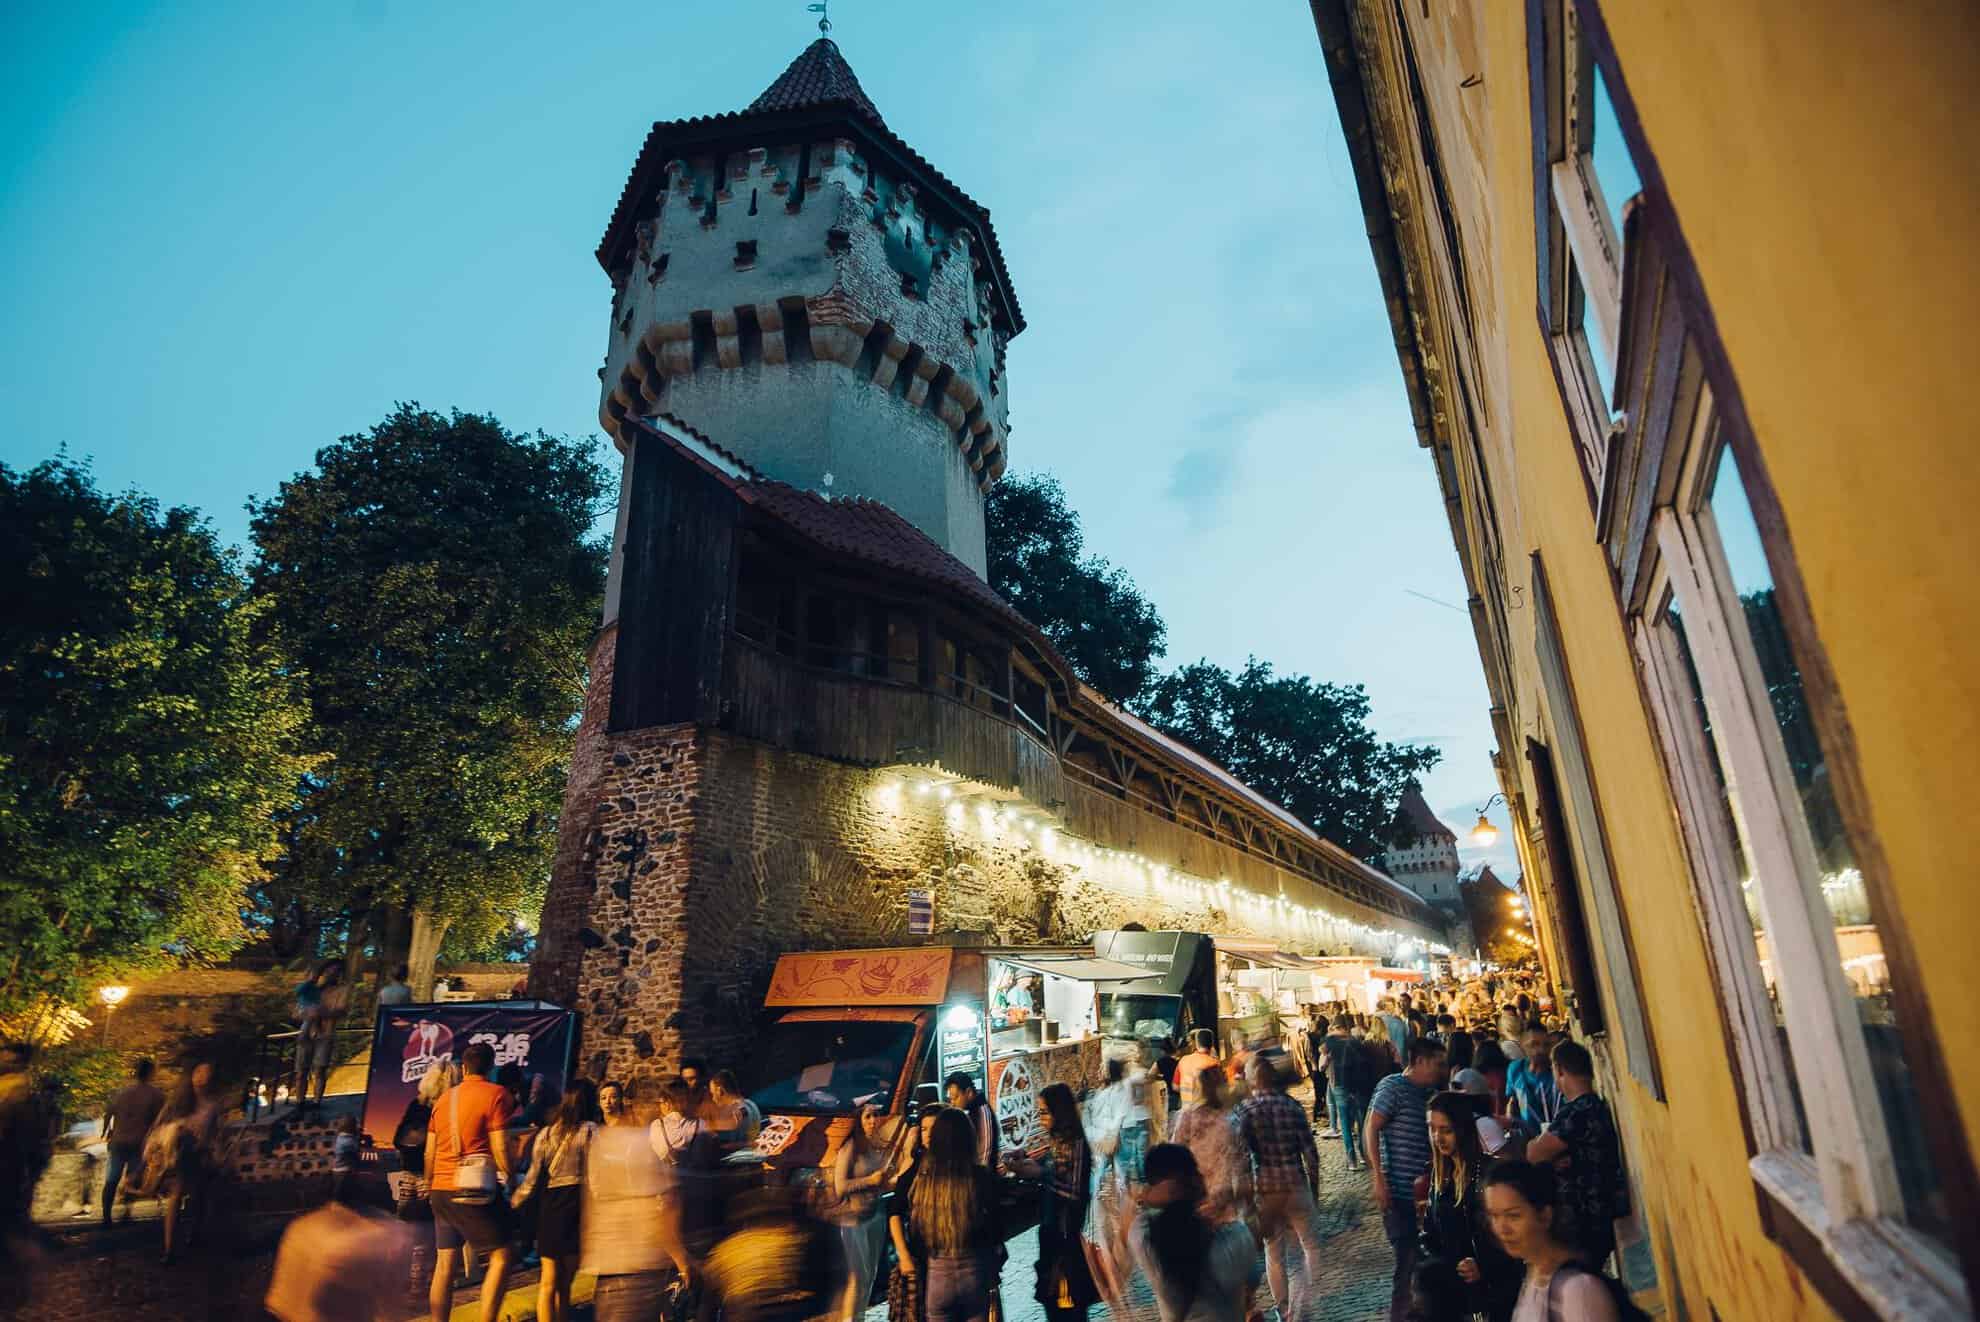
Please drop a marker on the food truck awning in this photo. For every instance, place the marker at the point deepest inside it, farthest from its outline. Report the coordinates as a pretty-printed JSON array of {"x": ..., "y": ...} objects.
[
  {"x": 1080, "y": 968},
  {"x": 1259, "y": 952}
]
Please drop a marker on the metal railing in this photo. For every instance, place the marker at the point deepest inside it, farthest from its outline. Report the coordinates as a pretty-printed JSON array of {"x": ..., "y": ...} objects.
[{"x": 281, "y": 1047}]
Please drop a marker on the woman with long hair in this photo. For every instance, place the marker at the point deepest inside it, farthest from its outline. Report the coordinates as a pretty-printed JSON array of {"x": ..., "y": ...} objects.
[
  {"x": 555, "y": 1178},
  {"x": 859, "y": 1177},
  {"x": 1205, "y": 1129},
  {"x": 1201, "y": 1271},
  {"x": 1065, "y": 1281},
  {"x": 946, "y": 1226},
  {"x": 1462, "y": 1264},
  {"x": 1458, "y": 1051},
  {"x": 185, "y": 1145},
  {"x": 1520, "y": 1202}
]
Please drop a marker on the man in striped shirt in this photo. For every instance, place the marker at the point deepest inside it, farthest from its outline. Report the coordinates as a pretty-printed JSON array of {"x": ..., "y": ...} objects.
[{"x": 1397, "y": 1137}]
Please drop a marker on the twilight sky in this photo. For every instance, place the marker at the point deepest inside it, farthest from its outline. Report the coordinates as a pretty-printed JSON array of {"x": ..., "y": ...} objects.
[{"x": 230, "y": 233}]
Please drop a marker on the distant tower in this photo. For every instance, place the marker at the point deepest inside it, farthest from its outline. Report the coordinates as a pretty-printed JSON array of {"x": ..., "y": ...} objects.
[
  {"x": 1428, "y": 862},
  {"x": 801, "y": 286}
]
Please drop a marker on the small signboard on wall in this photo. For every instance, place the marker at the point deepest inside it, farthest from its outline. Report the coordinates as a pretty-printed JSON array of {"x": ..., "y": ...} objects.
[{"x": 921, "y": 912}]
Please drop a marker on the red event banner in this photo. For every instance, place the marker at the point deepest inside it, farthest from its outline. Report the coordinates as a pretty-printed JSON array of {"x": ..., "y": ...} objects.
[{"x": 409, "y": 1040}]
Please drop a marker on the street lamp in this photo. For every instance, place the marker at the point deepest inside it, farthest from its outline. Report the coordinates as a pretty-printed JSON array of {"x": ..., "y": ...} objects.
[
  {"x": 1485, "y": 835},
  {"x": 112, "y": 997}
]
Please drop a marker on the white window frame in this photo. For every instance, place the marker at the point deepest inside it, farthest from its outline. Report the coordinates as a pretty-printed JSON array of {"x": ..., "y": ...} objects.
[
  {"x": 1846, "y": 1195},
  {"x": 1594, "y": 257}
]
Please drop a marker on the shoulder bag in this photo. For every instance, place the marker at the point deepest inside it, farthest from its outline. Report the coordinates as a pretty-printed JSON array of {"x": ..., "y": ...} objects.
[{"x": 474, "y": 1175}]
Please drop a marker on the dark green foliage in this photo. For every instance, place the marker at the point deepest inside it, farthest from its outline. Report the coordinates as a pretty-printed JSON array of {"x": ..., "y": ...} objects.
[
  {"x": 1303, "y": 744},
  {"x": 150, "y": 728},
  {"x": 1092, "y": 611},
  {"x": 438, "y": 579}
]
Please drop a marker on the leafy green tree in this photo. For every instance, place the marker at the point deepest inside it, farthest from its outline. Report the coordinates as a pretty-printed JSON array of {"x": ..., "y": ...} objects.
[
  {"x": 150, "y": 728},
  {"x": 1306, "y": 745},
  {"x": 1091, "y": 610},
  {"x": 438, "y": 579}
]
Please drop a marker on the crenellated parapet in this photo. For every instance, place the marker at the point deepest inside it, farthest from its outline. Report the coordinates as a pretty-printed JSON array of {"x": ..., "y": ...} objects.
[{"x": 797, "y": 283}]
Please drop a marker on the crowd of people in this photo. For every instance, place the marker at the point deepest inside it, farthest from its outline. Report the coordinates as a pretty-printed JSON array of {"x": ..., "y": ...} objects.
[{"x": 1495, "y": 1166}]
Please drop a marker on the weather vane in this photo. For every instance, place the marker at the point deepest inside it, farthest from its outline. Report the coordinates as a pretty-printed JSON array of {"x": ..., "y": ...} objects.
[{"x": 824, "y": 19}]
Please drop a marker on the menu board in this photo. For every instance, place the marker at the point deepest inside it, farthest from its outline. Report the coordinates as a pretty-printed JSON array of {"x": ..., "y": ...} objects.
[{"x": 959, "y": 1040}]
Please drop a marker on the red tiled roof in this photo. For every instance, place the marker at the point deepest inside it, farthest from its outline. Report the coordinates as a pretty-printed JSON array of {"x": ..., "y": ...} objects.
[
  {"x": 1421, "y": 820},
  {"x": 870, "y": 531},
  {"x": 817, "y": 81},
  {"x": 820, "y": 76},
  {"x": 852, "y": 526}
]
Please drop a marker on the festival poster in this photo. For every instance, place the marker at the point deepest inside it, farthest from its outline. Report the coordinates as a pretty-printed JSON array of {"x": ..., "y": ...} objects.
[{"x": 408, "y": 1040}]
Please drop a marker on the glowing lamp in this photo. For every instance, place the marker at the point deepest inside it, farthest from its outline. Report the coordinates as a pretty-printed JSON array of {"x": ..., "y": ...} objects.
[
  {"x": 112, "y": 996},
  {"x": 1484, "y": 835}
]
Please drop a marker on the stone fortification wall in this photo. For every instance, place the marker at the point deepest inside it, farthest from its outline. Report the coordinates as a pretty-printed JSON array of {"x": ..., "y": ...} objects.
[{"x": 695, "y": 858}]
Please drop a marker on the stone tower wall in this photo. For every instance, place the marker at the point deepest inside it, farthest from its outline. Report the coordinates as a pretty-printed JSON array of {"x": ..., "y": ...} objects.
[
  {"x": 691, "y": 858},
  {"x": 800, "y": 308}
]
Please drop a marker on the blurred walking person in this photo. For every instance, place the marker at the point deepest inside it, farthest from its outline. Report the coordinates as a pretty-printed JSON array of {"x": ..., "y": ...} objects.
[
  {"x": 629, "y": 1226},
  {"x": 467, "y": 1158},
  {"x": 1189, "y": 1070},
  {"x": 126, "y": 1122},
  {"x": 555, "y": 1180},
  {"x": 859, "y": 1180},
  {"x": 1065, "y": 1286},
  {"x": 946, "y": 1227},
  {"x": 1204, "y": 1128},
  {"x": 1274, "y": 1133},
  {"x": 337, "y": 1264},
  {"x": 184, "y": 1152},
  {"x": 1201, "y": 1271}
]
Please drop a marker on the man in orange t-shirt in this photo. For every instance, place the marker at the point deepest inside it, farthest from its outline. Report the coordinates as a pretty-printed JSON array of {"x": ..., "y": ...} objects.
[
  {"x": 1189, "y": 1070},
  {"x": 480, "y": 1113}
]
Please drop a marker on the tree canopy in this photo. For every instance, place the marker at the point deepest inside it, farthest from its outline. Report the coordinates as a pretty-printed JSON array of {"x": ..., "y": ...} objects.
[
  {"x": 1306, "y": 745},
  {"x": 1091, "y": 610},
  {"x": 437, "y": 578},
  {"x": 150, "y": 728}
]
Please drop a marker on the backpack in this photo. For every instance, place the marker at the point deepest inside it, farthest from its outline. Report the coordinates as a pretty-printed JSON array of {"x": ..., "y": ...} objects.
[
  {"x": 1626, "y": 1309},
  {"x": 1371, "y": 1066}
]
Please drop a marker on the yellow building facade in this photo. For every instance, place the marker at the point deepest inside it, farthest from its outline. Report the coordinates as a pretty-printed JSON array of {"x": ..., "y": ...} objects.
[{"x": 1683, "y": 299}]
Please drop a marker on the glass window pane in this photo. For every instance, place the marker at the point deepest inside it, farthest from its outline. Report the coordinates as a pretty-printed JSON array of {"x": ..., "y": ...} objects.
[
  {"x": 1672, "y": 635},
  {"x": 1601, "y": 355},
  {"x": 1859, "y": 950},
  {"x": 1608, "y": 153}
]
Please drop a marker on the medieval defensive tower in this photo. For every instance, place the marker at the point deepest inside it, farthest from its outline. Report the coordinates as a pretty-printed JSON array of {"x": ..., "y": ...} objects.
[
  {"x": 804, "y": 288},
  {"x": 808, "y": 717}
]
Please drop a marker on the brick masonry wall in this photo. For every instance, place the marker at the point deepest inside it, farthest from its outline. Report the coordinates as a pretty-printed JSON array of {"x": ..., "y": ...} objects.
[{"x": 691, "y": 858}]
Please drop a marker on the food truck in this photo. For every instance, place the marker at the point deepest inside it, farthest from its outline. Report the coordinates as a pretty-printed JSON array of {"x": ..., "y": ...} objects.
[
  {"x": 1191, "y": 980},
  {"x": 885, "y": 1027}
]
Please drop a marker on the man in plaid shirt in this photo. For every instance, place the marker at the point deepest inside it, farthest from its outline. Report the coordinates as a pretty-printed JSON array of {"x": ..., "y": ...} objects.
[{"x": 1273, "y": 1131}]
